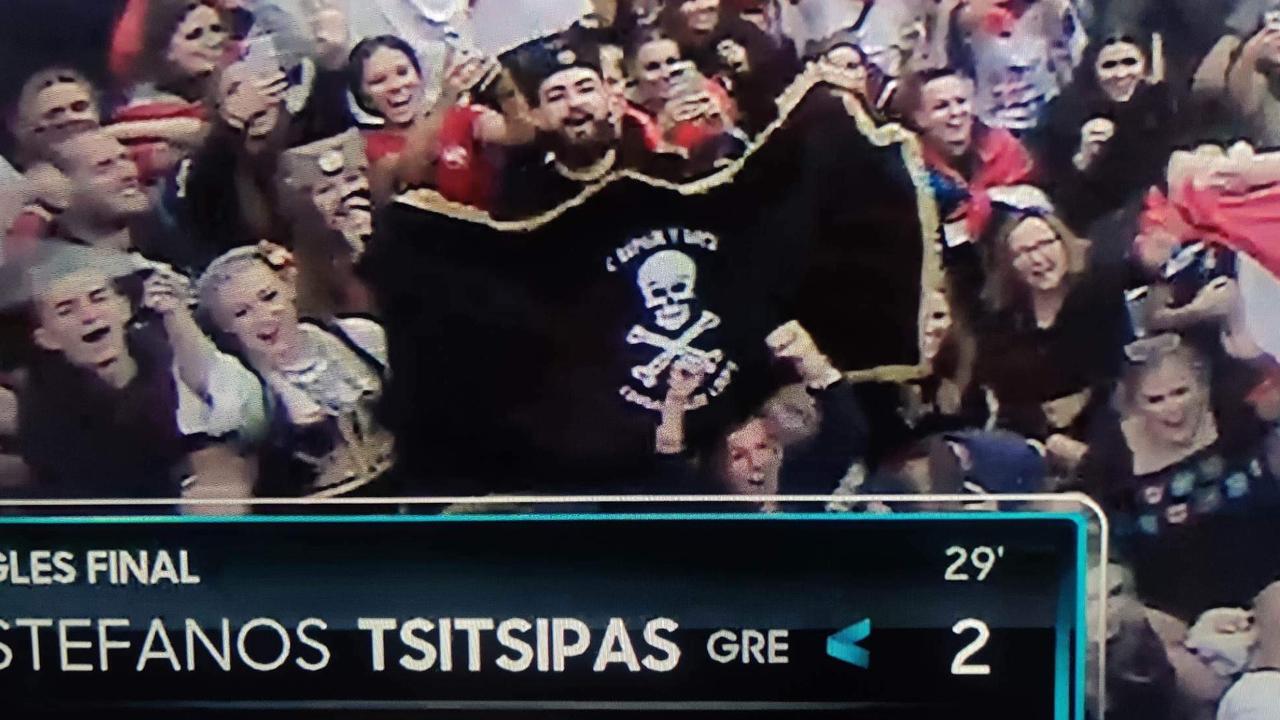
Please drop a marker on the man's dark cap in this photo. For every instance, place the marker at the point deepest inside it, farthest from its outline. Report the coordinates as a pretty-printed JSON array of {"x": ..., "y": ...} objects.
[{"x": 535, "y": 61}]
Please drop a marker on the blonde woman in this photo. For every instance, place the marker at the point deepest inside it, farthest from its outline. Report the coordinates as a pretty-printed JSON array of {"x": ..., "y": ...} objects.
[
  {"x": 325, "y": 378},
  {"x": 1187, "y": 471}
]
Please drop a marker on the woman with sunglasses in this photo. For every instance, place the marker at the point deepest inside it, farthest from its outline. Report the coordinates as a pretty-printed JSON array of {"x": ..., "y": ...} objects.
[
  {"x": 1107, "y": 137},
  {"x": 1187, "y": 471}
]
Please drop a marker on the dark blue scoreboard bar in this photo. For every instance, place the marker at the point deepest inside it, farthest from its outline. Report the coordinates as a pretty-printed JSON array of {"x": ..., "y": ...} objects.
[{"x": 891, "y": 617}]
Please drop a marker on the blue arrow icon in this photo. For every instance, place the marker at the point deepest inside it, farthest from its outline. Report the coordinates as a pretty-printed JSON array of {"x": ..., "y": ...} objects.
[{"x": 843, "y": 645}]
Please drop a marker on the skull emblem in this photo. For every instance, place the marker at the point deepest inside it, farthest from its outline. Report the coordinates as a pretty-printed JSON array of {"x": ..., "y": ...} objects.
[{"x": 667, "y": 281}]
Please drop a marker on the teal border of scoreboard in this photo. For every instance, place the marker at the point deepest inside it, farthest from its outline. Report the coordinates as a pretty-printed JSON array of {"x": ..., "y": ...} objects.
[{"x": 1073, "y": 592}]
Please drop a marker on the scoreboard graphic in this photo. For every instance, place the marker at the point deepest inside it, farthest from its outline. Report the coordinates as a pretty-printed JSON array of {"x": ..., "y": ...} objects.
[{"x": 864, "y": 616}]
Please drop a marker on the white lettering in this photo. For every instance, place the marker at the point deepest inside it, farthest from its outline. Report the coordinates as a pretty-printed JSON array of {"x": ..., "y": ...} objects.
[
  {"x": 671, "y": 652},
  {"x": 242, "y": 644},
  {"x": 66, "y": 644},
  {"x": 314, "y": 644},
  {"x": 561, "y": 648},
  {"x": 106, "y": 644},
  {"x": 472, "y": 627},
  {"x": 195, "y": 632},
  {"x": 409, "y": 635},
  {"x": 523, "y": 650},
  {"x": 34, "y": 624},
  {"x": 157, "y": 632},
  {"x": 376, "y": 628},
  {"x": 616, "y": 647}
]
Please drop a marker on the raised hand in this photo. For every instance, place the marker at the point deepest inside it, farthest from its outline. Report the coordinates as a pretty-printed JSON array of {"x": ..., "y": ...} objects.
[
  {"x": 1218, "y": 299},
  {"x": 166, "y": 292},
  {"x": 684, "y": 379},
  {"x": 1094, "y": 135},
  {"x": 248, "y": 97},
  {"x": 464, "y": 76},
  {"x": 277, "y": 256},
  {"x": 690, "y": 107},
  {"x": 330, "y": 30},
  {"x": 792, "y": 344},
  {"x": 49, "y": 185},
  {"x": 1064, "y": 451}
]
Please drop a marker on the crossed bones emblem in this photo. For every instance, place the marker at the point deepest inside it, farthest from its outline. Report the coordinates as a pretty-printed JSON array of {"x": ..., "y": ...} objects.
[{"x": 674, "y": 349}]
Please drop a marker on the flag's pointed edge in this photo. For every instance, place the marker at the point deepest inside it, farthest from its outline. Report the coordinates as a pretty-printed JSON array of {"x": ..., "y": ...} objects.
[{"x": 879, "y": 135}]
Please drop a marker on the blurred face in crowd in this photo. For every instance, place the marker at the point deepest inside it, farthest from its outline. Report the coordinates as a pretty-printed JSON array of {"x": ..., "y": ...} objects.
[
  {"x": 605, "y": 12},
  {"x": 654, "y": 66},
  {"x": 574, "y": 104},
  {"x": 83, "y": 316},
  {"x": 700, "y": 16},
  {"x": 1039, "y": 255},
  {"x": 105, "y": 187},
  {"x": 645, "y": 12},
  {"x": 937, "y": 323},
  {"x": 763, "y": 15},
  {"x": 845, "y": 57},
  {"x": 59, "y": 111},
  {"x": 733, "y": 56},
  {"x": 1172, "y": 401},
  {"x": 256, "y": 306},
  {"x": 611, "y": 69},
  {"x": 753, "y": 459},
  {"x": 344, "y": 202},
  {"x": 945, "y": 116},
  {"x": 849, "y": 60},
  {"x": 392, "y": 86},
  {"x": 1120, "y": 67},
  {"x": 237, "y": 80},
  {"x": 198, "y": 43}
]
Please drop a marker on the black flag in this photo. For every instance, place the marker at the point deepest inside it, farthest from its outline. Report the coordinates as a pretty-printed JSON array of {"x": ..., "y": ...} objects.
[{"x": 534, "y": 354}]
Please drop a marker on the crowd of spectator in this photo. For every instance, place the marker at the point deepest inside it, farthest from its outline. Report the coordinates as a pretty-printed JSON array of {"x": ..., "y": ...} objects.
[{"x": 186, "y": 313}]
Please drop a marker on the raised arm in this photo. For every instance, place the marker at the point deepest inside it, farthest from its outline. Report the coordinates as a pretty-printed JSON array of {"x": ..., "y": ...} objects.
[
  {"x": 422, "y": 147},
  {"x": 682, "y": 383},
  {"x": 1246, "y": 84},
  {"x": 165, "y": 292},
  {"x": 514, "y": 125},
  {"x": 8, "y": 413}
]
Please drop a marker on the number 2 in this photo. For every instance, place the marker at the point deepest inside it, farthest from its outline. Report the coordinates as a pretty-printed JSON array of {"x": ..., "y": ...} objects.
[
  {"x": 953, "y": 572},
  {"x": 961, "y": 666}
]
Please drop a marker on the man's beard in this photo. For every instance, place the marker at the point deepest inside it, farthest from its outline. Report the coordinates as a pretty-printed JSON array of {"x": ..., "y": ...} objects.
[{"x": 584, "y": 150}]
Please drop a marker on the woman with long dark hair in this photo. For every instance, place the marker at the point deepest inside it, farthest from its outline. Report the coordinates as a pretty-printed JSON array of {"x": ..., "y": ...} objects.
[
  {"x": 451, "y": 145},
  {"x": 1050, "y": 321},
  {"x": 1107, "y": 138}
]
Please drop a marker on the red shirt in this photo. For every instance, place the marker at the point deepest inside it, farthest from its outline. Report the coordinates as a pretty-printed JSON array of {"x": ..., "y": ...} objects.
[
  {"x": 998, "y": 159},
  {"x": 649, "y": 126},
  {"x": 689, "y": 134},
  {"x": 380, "y": 144},
  {"x": 144, "y": 151},
  {"x": 463, "y": 171}
]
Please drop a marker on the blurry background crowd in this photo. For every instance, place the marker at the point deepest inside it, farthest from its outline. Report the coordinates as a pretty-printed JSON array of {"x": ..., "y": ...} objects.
[{"x": 188, "y": 188}]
